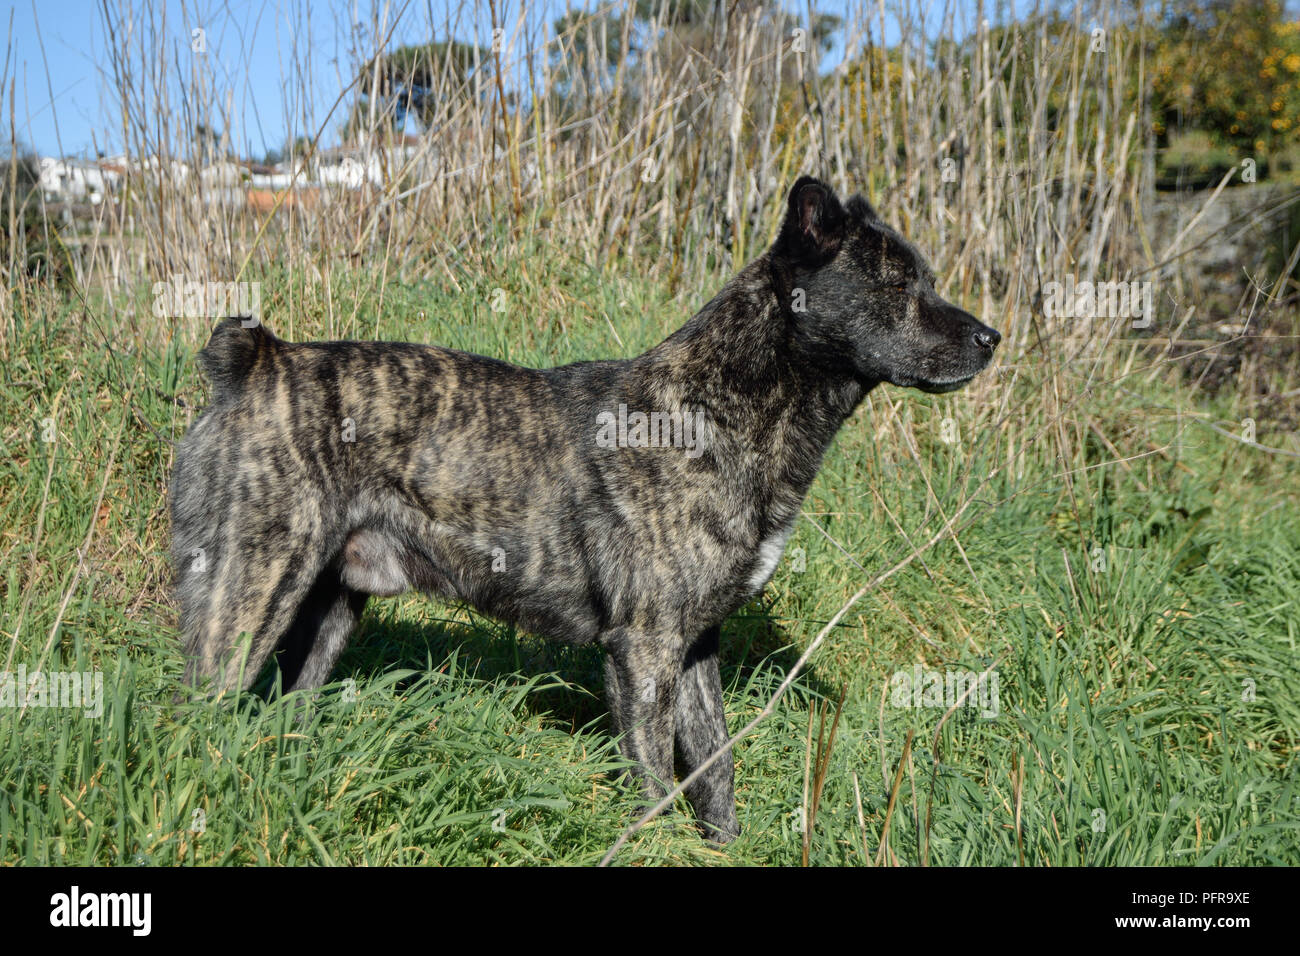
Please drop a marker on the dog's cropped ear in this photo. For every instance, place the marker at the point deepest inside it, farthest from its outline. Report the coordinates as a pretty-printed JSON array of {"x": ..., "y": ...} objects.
[{"x": 814, "y": 224}]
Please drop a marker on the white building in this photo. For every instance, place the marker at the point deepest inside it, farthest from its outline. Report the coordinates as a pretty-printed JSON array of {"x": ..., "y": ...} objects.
[
  {"x": 174, "y": 171},
  {"x": 279, "y": 176},
  {"x": 67, "y": 180},
  {"x": 352, "y": 167},
  {"x": 221, "y": 175}
]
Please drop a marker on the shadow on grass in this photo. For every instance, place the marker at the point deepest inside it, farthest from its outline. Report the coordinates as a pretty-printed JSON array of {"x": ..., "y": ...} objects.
[{"x": 388, "y": 639}]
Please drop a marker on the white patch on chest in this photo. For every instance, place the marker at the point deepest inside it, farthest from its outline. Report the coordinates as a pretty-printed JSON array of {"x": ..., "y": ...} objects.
[{"x": 770, "y": 550}]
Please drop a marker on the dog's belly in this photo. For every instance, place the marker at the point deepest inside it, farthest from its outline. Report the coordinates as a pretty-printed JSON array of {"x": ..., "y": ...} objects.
[{"x": 540, "y": 586}]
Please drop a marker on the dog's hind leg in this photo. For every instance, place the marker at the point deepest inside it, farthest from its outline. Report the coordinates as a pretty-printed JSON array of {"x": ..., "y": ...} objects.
[
  {"x": 320, "y": 632},
  {"x": 256, "y": 589},
  {"x": 701, "y": 729}
]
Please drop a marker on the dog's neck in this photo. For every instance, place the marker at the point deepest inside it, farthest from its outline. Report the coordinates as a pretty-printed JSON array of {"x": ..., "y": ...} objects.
[{"x": 741, "y": 360}]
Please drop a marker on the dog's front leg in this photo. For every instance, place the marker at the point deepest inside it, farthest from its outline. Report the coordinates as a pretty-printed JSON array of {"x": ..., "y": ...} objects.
[
  {"x": 701, "y": 728},
  {"x": 641, "y": 674}
]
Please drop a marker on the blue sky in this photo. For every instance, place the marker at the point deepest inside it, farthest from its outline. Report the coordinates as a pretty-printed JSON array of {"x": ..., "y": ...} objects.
[
  {"x": 63, "y": 92},
  {"x": 64, "y": 102}
]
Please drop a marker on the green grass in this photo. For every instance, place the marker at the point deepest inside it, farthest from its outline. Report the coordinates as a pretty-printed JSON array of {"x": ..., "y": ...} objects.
[{"x": 1128, "y": 732}]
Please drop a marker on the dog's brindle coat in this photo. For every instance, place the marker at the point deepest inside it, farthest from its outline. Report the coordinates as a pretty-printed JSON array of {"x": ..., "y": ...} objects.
[{"x": 480, "y": 481}]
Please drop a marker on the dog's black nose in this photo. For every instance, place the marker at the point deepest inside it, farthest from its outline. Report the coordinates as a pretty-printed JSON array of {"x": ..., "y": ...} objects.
[{"x": 987, "y": 338}]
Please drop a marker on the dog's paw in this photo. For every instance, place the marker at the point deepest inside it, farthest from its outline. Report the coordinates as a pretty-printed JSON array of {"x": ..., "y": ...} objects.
[{"x": 720, "y": 832}]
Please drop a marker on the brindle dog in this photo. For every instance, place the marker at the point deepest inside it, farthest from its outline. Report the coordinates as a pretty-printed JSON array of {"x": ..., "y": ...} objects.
[{"x": 632, "y": 503}]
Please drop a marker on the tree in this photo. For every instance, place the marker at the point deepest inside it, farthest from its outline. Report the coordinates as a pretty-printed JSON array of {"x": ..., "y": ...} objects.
[
  {"x": 417, "y": 82},
  {"x": 594, "y": 47},
  {"x": 1232, "y": 69}
]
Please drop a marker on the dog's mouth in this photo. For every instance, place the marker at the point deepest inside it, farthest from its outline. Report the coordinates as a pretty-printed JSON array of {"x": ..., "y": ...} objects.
[
  {"x": 954, "y": 376},
  {"x": 938, "y": 388},
  {"x": 948, "y": 368}
]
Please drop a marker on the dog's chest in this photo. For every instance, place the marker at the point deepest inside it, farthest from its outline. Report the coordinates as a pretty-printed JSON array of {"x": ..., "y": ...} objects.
[{"x": 768, "y": 556}]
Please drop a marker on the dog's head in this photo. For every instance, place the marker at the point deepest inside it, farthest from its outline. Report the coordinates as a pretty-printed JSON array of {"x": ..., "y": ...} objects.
[{"x": 863, "y": 298}]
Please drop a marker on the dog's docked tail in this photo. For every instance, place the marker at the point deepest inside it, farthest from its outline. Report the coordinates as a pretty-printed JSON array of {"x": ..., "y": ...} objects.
[{"x": 232, "y": 352}]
